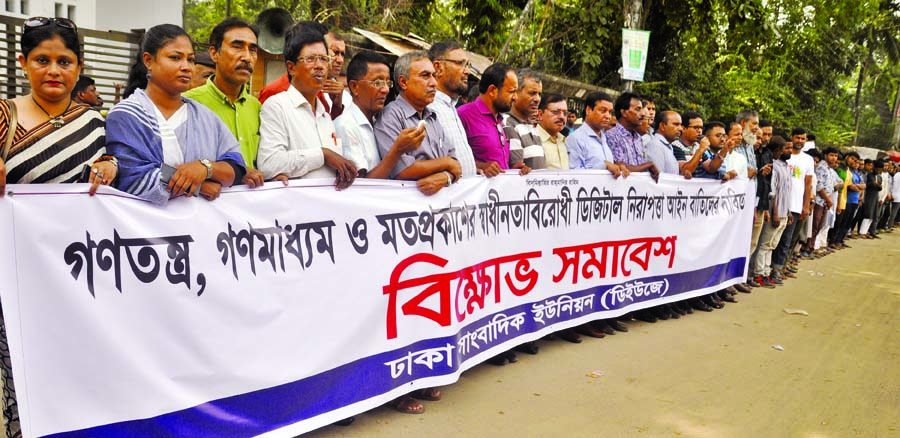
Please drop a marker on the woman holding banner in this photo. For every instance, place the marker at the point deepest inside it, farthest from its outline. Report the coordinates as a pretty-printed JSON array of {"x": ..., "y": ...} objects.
[
  {"x": 169, "y": 145},
  {"x": 48, "y": 138}
]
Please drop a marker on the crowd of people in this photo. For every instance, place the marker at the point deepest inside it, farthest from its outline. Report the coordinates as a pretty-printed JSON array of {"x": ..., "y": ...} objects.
[{"x": 189, "y": 127}]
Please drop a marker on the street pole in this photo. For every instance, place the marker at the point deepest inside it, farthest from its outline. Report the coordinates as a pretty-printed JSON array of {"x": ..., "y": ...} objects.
[{"x": 632, "y": 21}]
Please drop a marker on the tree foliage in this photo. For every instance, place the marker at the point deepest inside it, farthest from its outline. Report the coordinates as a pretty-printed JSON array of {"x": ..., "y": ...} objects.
[{"x": 821, "y": 64}]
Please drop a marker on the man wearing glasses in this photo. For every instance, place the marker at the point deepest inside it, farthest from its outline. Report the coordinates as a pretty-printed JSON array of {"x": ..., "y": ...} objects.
[
  {"x": 368, "y": 79},
  {"x": 433, "y": 164},
  {"x": 451, "y": 70},
  {"x": 553, "y": 111},
  {"x": 297, "y": 136},
  {"x": 689, "y": 149}
]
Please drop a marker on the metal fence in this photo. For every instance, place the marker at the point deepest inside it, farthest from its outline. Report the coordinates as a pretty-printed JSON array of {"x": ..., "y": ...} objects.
[{"x": 107, "y": 57}]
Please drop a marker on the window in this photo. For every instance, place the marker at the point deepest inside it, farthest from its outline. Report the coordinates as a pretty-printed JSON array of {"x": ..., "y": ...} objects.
[
  {"x": 71, "y": 12},
  {"x": 58, "y": 10},
  {"x": 23, "y": 7}
]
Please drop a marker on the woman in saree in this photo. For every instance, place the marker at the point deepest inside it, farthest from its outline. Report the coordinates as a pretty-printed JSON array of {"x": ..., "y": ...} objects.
[
  {"x": 168, "y": 145},
  {"x": 48, "y": 138}
]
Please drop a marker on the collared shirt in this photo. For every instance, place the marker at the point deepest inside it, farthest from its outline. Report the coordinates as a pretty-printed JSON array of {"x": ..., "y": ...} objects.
[
  {"x": 824, "y": 180},
  {"x": 524, "y": 142},
  {"x": 736, "y": 162},
  {"x": 357, "y": 138},
  {"x": 587, "y": 150},
  {"x": 856, "y": 178},
  {"x": 275, "y": 87},
  {"x": 555, "y": 151},
  {"x": 445, "y": 108},
  {"x": 660, "y": 152},
  {"x": 484, "y": 130},
  {"x": 291, "y": 137},
  {"x": 700, "y": 171},
  {"x": 681, "y": 151},
  {"x": 626, "y": 146},
  {"x": 241, "y": 117},
  {"x": 399, "y": 115},
  {"x": 748, "y": 152},
  {"x": 781, "y": 188}
]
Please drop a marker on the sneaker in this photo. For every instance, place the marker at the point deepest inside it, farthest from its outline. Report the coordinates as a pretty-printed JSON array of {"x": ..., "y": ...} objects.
[
  {"x": 776, "y": 281},
  {"x": 764, "y": 282}
]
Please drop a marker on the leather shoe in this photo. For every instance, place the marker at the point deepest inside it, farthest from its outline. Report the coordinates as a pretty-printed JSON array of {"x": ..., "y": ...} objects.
[
  {"x": 345, "y": 422},
  {"x": 712, "y": 302},
  {"x": 529, "y": 348},
  {"x": 589, "y": 330},
  {"x": 645, "y": 315},
  {"x": 660, "y": 313},
  {"x": 676, "y": 309},
  {"x": 743, "y": 288},
  {"x": 698, "y": 304},
  {"x": 617, "y": 326},
  {"x": 569, "y": 335}
]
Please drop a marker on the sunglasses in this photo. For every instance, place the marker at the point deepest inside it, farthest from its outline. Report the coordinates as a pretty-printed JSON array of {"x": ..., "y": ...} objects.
[{"x": 36, "y": 22}]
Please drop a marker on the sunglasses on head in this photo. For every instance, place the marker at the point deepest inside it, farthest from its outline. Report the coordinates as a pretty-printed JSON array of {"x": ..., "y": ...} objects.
[{"x": 36, "y": 22}]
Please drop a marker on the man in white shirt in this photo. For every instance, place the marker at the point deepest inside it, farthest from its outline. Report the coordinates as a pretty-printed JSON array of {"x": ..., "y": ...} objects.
[
  {"x": 297, "y": 137},
  {"x": 369, "y": 82}
]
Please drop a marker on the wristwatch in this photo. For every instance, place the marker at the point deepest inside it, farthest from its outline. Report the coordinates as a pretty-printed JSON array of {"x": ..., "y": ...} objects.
[{"x": 208, "y": 165}]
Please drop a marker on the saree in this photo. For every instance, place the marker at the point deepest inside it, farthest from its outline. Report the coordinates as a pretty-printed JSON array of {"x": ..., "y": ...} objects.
[
  {"x": 45, "y": 154},
  {"x": 134, "y": 138}
]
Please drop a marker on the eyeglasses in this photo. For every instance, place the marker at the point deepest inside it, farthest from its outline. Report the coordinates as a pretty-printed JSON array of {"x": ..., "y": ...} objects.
[
  {"x": 464, "y": 63},
  {"x": 36, "y": 22},
  {"x": 313, "y": 59},
  {"x": 559, "y": 112},
  {"x": 699, "y": 128},
  {"x": 381, "y": 83}
]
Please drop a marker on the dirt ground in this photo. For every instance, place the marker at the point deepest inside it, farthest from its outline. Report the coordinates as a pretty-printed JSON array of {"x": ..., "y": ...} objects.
[{"x": 704, "y": 375}]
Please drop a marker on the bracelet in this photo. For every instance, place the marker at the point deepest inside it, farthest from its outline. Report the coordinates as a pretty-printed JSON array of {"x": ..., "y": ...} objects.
[
  {"x": 110, "y": 158},
  {"x": 449, "y": 178}
]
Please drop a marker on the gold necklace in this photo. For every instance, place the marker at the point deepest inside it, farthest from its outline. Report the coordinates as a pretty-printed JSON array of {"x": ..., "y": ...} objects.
[{"x": 57, "y": 121}]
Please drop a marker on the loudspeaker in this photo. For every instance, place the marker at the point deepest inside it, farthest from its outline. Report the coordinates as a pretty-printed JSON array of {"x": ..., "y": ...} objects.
[{"x": 272, "y": 24}]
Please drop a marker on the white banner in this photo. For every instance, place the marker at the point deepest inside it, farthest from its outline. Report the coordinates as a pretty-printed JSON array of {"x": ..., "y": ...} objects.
[
  {"x": 279, "y": 310},
  {"x": 634, "y": 53}
]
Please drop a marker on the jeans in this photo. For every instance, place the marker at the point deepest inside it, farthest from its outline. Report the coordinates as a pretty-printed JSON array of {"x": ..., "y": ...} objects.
[
  {"x": 768, "y": 241},
  {"x": 847, "y": 220}
]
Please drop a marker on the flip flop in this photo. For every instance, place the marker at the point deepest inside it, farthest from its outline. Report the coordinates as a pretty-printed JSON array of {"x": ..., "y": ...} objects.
[
  {"x": 427, "y": 394},
  {"x": 407, "y": 405}
]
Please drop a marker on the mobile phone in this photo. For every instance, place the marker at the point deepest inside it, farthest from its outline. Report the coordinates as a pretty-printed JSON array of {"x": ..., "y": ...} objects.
[{"x": 165, "y": 173}]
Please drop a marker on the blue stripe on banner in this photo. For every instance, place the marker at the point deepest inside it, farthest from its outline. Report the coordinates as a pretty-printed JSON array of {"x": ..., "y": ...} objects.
[{"x": 265, "y": 410}]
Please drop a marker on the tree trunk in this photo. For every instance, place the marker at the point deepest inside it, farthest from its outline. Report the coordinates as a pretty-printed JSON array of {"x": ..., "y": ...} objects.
[
  {"x": 863, "y": 71},
  {"x": 518, "y": 31}
]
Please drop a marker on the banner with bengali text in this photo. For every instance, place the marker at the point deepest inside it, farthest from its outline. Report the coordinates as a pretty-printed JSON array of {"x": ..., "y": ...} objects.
[{"x": 279, "y": 310}]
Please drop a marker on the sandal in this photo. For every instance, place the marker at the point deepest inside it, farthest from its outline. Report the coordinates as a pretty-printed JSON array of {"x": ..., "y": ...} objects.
[
  {"x": 407, "y": 405},
  {"x": 427, "y": 394}
]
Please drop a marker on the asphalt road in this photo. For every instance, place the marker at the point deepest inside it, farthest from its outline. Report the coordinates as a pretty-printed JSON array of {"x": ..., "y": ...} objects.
[{"x": 705, "y": 375}]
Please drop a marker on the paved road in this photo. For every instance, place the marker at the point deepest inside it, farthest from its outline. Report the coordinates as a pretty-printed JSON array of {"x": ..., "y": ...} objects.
[{"x": 704, "y": 375}]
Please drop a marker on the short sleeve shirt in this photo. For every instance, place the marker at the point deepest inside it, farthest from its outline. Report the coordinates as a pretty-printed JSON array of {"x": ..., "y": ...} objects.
[
  {"x": 627, "y": 146},
  {"x": 400, "y": 115},
  {"x": 524, "y": 143}
]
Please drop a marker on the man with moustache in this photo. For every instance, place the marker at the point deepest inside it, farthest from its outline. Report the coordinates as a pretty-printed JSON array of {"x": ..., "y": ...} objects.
[
  {"x": 333, "y": 87},
  {"x": 690, "y": 145},
  {"x": 553, "y": 111},
  {"x": 779, "y": 214},
  {"x": 85, "y": 92},
  {"x": 802, "y": 169},
  {"x": 433, "y": 164},
  {"x": 648, "y": 103},
  {"x": 204, "y": 67},
  {"x": 233, "y": 48},
  {"x": 451, "y": 70},
  {"x": 368, "y": 79},
  {"x": 483, "y": 120},
  {"x": 296, "y": 134},
  {"x": 524, "y": 142},
  {"x": 624, "y": 140},
  {"x": 660, "y": 149},
  {"x": 587, "y": 144}
]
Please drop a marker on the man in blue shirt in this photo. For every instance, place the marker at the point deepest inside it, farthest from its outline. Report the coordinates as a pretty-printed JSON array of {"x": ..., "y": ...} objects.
[{"x": 587, "y": 145}]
